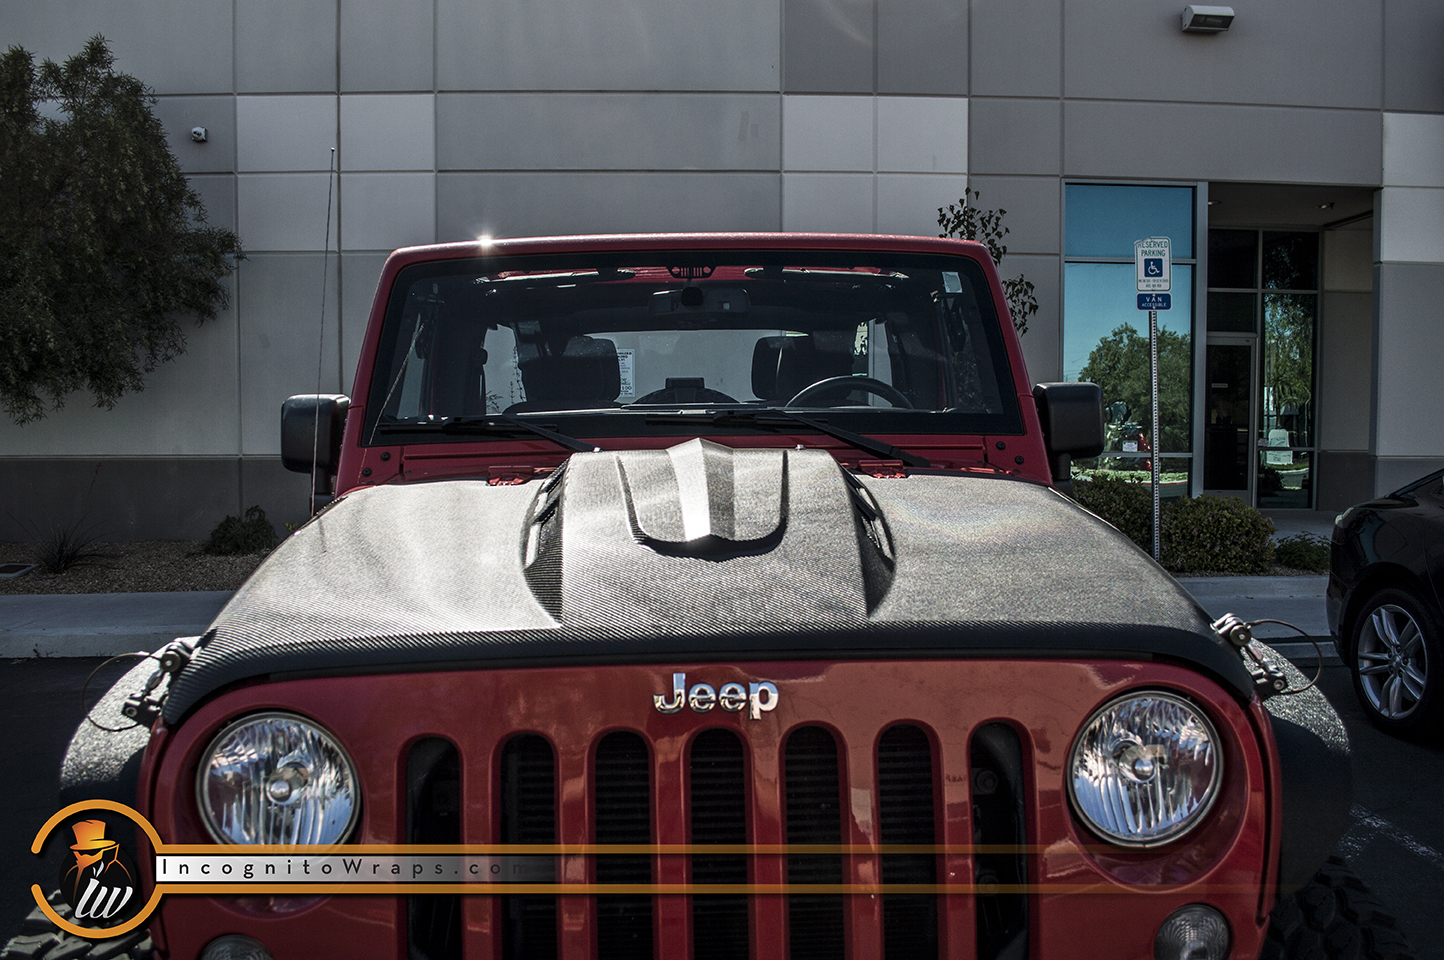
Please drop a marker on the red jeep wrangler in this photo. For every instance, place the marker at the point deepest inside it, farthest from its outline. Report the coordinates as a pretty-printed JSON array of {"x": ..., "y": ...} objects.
[{"x": 729, "y": 581}]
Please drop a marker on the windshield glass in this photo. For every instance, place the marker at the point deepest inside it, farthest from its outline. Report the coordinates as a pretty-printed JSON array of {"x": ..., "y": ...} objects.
[{"x": 877, "y": 343}]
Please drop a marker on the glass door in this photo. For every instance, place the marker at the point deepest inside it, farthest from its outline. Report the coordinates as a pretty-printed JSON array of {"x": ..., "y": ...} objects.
[{"x": 1228, "y": 417}]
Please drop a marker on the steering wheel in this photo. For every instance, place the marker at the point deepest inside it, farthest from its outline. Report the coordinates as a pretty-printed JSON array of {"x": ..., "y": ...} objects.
[{"x": 843, "y": 384}]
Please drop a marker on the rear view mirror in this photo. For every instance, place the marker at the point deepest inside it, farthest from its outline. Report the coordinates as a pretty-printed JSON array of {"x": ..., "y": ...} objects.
[{"x": 1071, "y": 415}]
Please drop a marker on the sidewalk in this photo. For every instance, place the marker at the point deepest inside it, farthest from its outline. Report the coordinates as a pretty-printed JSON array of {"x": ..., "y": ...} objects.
[{"x": 105, "y": 624}]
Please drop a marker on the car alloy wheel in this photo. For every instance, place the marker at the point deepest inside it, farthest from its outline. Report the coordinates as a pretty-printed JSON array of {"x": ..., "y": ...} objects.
[{"x": 1394, "y": 650}]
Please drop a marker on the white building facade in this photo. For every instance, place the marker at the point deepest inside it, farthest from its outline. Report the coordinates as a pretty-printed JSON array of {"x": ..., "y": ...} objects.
[{"x": 1296, "y": 161}]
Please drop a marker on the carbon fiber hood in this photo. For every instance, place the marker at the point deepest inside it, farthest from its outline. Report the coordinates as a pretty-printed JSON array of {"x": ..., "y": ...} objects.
[{"x": 699, "y": 552}]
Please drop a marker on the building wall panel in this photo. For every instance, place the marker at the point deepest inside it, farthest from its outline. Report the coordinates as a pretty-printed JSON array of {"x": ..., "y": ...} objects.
[
  {"x": 922, "y": 47},
  {"x": 388, "y": 210},
  {"x": 907, "y": 203},
  {"x": 174, "y": 46},
  {"x": 387, "y": 47},
  {"x": 284, "y": 212},
  {"x": 922, "y": 135},
  {"x": 1408, "y": 342},
  {"x": 388, "y": 132},
  {"x": 285, "y": 134},
  {"x": 1017, "y": 48},
  {"x": 828, "y": 46},
  {"x": 279, "y": 338},
  {"x": 1115, "y": 140},
  {"x": 1034, "y": 211},
  {"x": 1413, "y": 68},
  {"x": 285, "y": 46},
  {"x": 601, "y": 131},
  {"x": 829, "y": 133},
  {"x": 829, "y": 202},
  {"x": 621, "y": 45},
  {"x": 217, "y": 114},
  {"x": 1323, "y": 54},
  {"x": 542, "y": 204},
  {"x": 1015, "y": 137}
]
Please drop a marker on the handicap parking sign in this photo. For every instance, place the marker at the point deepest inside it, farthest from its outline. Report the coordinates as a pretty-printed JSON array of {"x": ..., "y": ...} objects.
[{"x": 1154, "y": 260}]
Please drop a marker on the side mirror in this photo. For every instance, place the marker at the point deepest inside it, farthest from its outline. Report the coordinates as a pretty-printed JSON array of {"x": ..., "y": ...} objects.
[
  {"x": 1071, "y": 415},
  {"x": 311, "y": 429}
]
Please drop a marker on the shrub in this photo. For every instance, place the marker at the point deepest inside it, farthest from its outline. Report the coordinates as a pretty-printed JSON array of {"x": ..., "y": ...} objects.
[
  {"x": 1216, "y": 534},
  {"x": 1128, "y": 506},
  {"x": 253, "y": 534},
  {"x": 1303, "y": 551},
  {"x": 66, "y": 546}
]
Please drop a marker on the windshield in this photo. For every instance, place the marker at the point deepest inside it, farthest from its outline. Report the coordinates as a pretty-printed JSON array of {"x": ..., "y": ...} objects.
[{"x": 876, "y": 343}]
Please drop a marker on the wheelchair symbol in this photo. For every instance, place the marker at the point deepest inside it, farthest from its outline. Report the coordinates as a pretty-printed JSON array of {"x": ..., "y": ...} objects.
[{"x": 1152, "y": 267}]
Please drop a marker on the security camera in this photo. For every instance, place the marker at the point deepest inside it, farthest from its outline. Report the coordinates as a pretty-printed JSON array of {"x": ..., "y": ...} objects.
[
  {"x": 198, "y": 134},
  {"x": 1197, "y": 19}
]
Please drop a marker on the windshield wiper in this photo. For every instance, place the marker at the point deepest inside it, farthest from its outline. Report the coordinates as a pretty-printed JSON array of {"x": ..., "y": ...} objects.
[
  {"x": 774, "y": 419},
  {"x": 499, "y": 423}
]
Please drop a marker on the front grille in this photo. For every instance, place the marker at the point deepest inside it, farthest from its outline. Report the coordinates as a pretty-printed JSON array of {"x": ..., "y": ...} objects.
[
  {"x": 726, "y": 780},
  {"x": 717, "y": 803}
]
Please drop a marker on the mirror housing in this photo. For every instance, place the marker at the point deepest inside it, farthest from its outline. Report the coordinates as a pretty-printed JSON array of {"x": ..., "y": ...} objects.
[
  {"x": 1071, "y": 415},
  {"x": 312, "y": 426}
]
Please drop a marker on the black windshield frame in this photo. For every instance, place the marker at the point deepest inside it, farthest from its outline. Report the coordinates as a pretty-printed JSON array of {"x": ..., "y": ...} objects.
[{"x": 845, "y": 281}]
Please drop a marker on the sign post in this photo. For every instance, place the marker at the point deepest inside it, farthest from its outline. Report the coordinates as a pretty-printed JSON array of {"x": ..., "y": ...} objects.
[{"x": 1153, "y": 261}]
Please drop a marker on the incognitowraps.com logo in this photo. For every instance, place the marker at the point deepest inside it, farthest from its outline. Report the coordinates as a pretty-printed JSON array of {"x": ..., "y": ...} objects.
[
  {"x": 102, "y": 885},
  {"x": 100, "y": 881}
]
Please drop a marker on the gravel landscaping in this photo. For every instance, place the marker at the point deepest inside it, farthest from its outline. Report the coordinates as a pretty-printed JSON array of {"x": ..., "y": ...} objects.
[{"x": 133, "y": 566}]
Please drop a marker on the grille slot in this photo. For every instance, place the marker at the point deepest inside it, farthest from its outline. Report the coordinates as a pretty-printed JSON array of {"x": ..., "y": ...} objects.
[
  {"x": 623, "y": 815},
  {"x": 717, "y": 774},
  {"x": 814, "y": 815},
  {"x": 528, "y": 815},
  {"x": 905, "y": 800},
  {"x": 433, "y": 815},
  {"x": 999, "y": 819}
]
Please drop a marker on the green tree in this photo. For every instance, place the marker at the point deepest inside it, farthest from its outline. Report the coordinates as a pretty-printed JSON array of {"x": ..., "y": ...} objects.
[
  {"x": 965, "y": 221},
  {"x": 1119, "y": 365},
  {"x": 103, "y": 245}
]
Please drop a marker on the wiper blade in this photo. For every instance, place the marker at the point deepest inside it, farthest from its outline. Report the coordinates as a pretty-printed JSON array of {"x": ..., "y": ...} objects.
[
  {"x": 773, "y": 419},
  {"x": 500, "y": 423}
]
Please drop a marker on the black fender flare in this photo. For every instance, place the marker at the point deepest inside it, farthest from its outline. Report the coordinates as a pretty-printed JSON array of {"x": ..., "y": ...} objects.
[{"x": 1316, "y": 768}]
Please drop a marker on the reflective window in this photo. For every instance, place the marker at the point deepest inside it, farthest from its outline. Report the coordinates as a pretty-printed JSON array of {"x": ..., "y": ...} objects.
[
  {"x": 1105, "y": 335},
  {"x": 1106, "y": 342},
  {"x": 1103, "y": 220}
]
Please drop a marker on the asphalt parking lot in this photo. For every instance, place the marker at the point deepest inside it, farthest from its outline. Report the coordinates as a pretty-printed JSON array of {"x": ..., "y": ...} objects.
[{"x": 1395, "y": 842}]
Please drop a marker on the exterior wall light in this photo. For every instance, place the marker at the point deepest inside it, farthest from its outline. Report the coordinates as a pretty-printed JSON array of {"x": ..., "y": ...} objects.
[
  {"x": 199, "y": 135},
  {"x": 1198, "y": 19}
]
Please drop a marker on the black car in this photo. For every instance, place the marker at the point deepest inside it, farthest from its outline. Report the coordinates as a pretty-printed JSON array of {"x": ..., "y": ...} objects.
[{"x": 1386, "y": 581}]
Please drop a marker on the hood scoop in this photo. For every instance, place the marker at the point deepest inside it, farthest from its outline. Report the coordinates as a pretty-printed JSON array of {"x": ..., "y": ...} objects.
[{"x": 703, "y": 499}]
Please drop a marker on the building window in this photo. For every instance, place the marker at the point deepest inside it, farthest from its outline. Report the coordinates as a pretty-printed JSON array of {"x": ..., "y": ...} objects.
[
  {"x": 1105, "y": 335},
  {"x": 1263, "y": 293}
]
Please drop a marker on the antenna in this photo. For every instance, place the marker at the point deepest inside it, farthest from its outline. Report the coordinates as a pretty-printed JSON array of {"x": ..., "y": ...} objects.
[{"x": 321, "y": 344}]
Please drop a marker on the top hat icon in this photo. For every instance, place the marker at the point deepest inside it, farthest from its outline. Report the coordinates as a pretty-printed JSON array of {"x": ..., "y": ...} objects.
[{"x": 90, "y": 836}]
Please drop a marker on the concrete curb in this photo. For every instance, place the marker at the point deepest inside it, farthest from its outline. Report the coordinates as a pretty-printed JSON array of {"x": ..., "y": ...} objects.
[
  {"x": 102, "y": 624},
  {"x": 1298, "y": 600}
]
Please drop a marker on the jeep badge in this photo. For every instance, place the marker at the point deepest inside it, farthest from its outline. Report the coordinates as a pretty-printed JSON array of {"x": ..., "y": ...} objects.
[{"x": 757, "y": 699}]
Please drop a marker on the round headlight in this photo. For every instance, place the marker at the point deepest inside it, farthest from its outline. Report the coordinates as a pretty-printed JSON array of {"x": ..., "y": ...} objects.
[
  {"x": 276, "y": 778},
  {"x": 1145, "y": 769}
]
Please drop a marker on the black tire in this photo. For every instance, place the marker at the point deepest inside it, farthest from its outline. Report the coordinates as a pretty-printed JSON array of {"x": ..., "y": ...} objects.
[
  {"x": 1401, "y": 693},
  {"x": 39, "y": 940},
  {"x": 1334, "y": 917}
]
